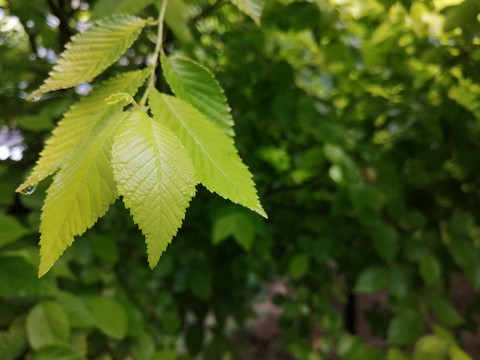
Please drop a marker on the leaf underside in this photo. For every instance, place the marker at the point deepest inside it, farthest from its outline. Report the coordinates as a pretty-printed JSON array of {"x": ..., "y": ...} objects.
[
  {"x": 252, "y": 8},
  {"x": 196, "y": 85},
  {"x": 156, "y": 178},
  {"x": 79, "y": 121},
  {"x": 215, "y": 158},
  {"x": 92, "y": 51}
]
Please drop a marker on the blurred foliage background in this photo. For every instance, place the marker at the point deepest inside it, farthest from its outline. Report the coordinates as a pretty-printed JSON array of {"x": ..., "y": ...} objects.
[{"x": 361, "y": 123}]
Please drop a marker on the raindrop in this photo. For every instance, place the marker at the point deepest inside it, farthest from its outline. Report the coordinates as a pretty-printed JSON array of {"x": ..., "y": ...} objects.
[{"x": 29, "y": 190}]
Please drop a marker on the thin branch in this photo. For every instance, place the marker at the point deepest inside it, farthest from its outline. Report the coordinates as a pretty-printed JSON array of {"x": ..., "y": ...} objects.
[{"x": 156, "y": 53}]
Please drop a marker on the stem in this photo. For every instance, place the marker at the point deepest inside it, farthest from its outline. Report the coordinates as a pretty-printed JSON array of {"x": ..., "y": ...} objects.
[{"x": 156, "y": 53}]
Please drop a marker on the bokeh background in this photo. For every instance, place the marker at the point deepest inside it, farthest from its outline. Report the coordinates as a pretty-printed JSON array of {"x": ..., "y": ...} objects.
[{"x": 360, "y": 121}]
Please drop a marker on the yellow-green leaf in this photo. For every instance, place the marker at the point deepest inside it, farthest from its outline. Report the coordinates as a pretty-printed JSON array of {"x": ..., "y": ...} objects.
[
  {"x": 252, "y": 8},
  {"x": 196, "y": 85},
  {"x": 78, "y": 122},
  {"x": 217, "y": 163},
  {"x": 156, "y": 178},
  {"x": 92, "y": 51},
  {"x": 81, "y": 192}
]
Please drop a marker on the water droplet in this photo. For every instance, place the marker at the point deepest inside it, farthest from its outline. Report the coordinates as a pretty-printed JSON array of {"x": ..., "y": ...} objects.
[{"x": 29, "y": 190}]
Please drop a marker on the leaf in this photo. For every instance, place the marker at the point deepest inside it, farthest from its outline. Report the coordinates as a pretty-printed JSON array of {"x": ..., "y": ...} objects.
[
  {"x": 104, "y": 8},
  {"x": 430, "y": 269},
  {"x": 445, "y": 313},
  {"x": 56, "y": 352},
  {"x": 430, "y": 347},
  {"x": 19, "y": 278},
  {"x": 252, "y": 8},
  {"x": 372, "y": 279},
  {"x": 12, "y": 344},
  {"x": 298, "y": 266},
  {"x": 196, "y": 85},
  {"x": 156, "y": 178},
  {"x": 404, "y": 328},
  {"x": 214, "y": 155},
  {"x": 385, "y": 242},
  {"x": 79, "y": 121},
  {"x": 458, "y": 354},
  {"x": 236, "y": 224},
  {"x": 11, "y": 229},
  {"x": 77, "y": 313},
  {"x": 47, "y": 324},
  {"x": 110, "y": 317},
  {"x": 81, "y": 192},
  {"x": 92, "y": 51}
]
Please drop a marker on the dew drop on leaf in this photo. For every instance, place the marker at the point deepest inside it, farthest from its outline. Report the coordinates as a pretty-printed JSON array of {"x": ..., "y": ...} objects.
[{"x": 29, "y": 190}]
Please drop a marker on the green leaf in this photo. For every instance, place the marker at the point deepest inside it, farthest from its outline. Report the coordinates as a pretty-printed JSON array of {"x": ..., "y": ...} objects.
[
  {"x": 47, "y": 324},
  {"x": 236, "y": 224},
  {"x": 298, "y": 266},
  {"x": 12, "y": 344},
  {"x": 11, "y": 229},
  {"x": 458, "y": 354},
  {"x": 77, "y": 312},
  {"x": 430, "y": 347},
  {"x": 156, "y": 178},
  {"x": 79, "y": 121},
  {"x": 430, "y": 269},
  {"x": 252, "y": 8},
  {"x": 104, "y": 8},
  {"x": 196, "y": 85},
  {"x": 81, "y": 192},
  {"x": 110, "y": 317},
  {"x": 56, "y": 352},
  {"x": 371, "y": 279},
  {"x": 92, "y": 51},
  {"x": 404, "y": 328},
  {"x": 19, "y": 278},
  {"x": 395, "y": 354},
  {"x": 214, "y": 155},
  {"x": 445, "y": 313},
  {"x": 385, "y": 242}
]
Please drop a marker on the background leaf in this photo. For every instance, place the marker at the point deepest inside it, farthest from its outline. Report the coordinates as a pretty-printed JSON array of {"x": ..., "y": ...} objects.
[
  {"x": 47, "y": 324},
  {"x": 214, "y": 156},
  {"x": 156, "y": 178},
  {"x": 110, "y": 317},
  {"x": 92, "y": 51},
  {"x": 252, "y": 8}
]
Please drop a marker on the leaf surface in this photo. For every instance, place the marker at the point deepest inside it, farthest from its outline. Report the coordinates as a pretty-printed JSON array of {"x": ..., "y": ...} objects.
[
  {"x": 81, "y": 192},
  {"x": 92, "y": 51},
  {"x": 105, "y": 8},
  {"x": 196, "y": 85},
  {"x": 215, "y": 158},
  {"x": 110, "y": 317},
  {"x": 79, "y": 121},
  {"x": 47, "y": 324},
  {"x": 252, "y": 8},
  {"x": 156, "y": 178}
]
